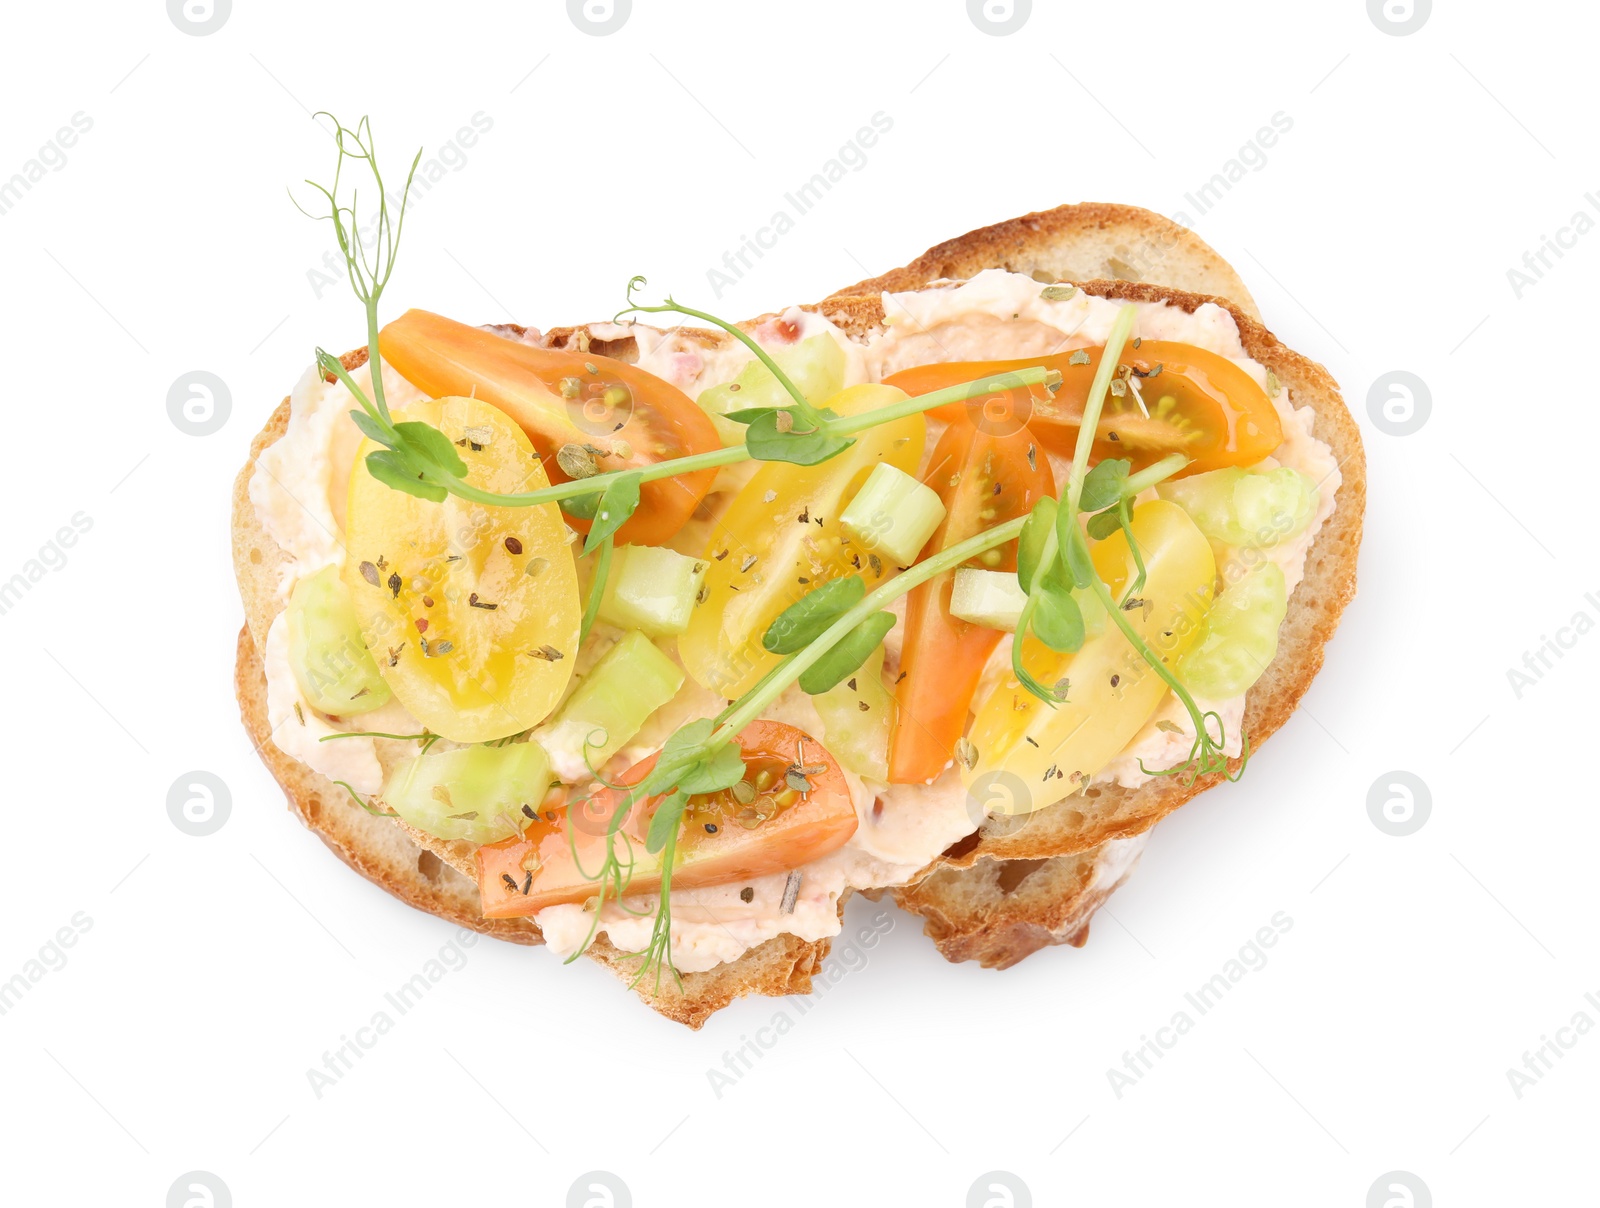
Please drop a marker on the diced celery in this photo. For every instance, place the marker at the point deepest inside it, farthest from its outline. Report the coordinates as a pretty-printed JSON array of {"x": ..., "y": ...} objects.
[
  {"x": 475, "y": 793},
  {"x": 1253, "y": 508},
  {"x": 1274, "y": 505},
  {"x": 994, "y": 599},
  {"x": 815, "y": 365},
  {"x": 612, "y": 703},
  {"x": 331, "y": 662},
  {"x": 1239, "y": 635},
  {"x": 990, "y": 598},
  {"x": 857, "y": 716},
  {"x": 653, "y": 589},
  {"x": 892, "y": 515}
]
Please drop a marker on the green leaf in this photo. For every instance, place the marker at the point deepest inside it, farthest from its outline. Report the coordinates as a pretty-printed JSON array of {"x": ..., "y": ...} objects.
[
  {"x": 1035, "y": 534},
  {"x": 618, "y": 503},
  {"x": 431, "y": 446},
  {"x": 373, "y": 429},
  {"x": 847, "y": 656},
  {"x": 581, "y": 507},
  {"x": 804, "y": 621},
  {"x": 1055, "y": 579},
  {"x": 1102, "y": 486},
  {"x": 716, "y": 772},
  {"x": 1103, "y": 524},
  {"x": 665, "y": 822},
  {"x": 1057, "y": 620},
  {"x": 597, "y": 590},
  {"x": 1074, "y": 552},
  {"x": 804, "y": 417},
  {"x": 397, "y": 470},
  {"x": 685, "y": 743},
  {"x": 803, "y": 448},
  {"x": 748, "y": 415}
]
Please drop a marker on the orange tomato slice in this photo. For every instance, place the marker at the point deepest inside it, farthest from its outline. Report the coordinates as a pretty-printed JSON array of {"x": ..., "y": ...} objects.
[
  {"x": 723, "y": 839},
  {"x": 567, "y": 398},
  {"x": 986, "y": 474},
  {"x": 1195, "y": 403}
]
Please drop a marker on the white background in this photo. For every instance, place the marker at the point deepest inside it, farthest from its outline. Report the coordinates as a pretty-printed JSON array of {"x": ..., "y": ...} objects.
[{"x": 1377, "y": 236}]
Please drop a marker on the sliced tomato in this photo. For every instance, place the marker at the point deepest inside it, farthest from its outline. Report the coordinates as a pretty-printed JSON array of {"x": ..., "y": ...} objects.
[
  {"x": 986, "y": 474},
  {"x": 1199, "y": 404},
  {"x": 567, "y": 398},
  {"x": 723, "y": 839}
]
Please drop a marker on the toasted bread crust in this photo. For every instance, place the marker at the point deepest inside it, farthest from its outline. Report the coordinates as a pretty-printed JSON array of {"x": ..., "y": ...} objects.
[
  {"x": 1086, "y": 242},
  {"x": 999, "y": 911},
  {"x": 959, "y": 893}
]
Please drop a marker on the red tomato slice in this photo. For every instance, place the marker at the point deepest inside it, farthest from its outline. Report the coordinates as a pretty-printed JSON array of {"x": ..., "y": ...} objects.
[
  {"x": 1200, "y": 404},
  {"x": 561, "y": 398},
  {"x": 722, "y": 839},
  {"x": 986, "y": 473}
]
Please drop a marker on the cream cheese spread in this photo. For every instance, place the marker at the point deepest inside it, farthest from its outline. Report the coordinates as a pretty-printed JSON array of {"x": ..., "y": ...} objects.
[{"x": 298, "y": 490}]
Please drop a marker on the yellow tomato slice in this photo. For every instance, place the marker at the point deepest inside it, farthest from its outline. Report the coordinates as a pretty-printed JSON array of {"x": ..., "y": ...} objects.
[
  {"x": 1030, "y": 755},
  {"x": 781, "y": 539},
  {"x": 470, "y": 611}
]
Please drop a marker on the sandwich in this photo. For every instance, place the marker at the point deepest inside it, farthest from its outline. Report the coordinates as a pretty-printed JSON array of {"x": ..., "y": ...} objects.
[{"x": 653, "y": 640}]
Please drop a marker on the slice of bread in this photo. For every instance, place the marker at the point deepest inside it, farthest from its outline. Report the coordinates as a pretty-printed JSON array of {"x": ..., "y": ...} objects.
[{"x": 1021, "y": 883}]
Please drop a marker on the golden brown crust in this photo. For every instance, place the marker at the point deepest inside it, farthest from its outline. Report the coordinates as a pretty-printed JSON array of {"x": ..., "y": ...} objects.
[
  {"x": 1084, "y": 242},
  {"x": 999, "y": 911},
  {"x": 782, "y": 965},
  {"x": 257, "y": 559}
]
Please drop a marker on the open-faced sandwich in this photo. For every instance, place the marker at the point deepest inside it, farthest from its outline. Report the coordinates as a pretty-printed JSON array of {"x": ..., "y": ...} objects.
[{"x": 656, "y": 642}]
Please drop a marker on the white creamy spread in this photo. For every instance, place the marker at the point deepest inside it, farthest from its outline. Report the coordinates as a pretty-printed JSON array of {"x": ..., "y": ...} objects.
[
  {"x": 298, "y": 730},
  {"x": 300, "y": 480},
  {"x": 298, "y": 491},
  {"x": 692, "y": 367}
]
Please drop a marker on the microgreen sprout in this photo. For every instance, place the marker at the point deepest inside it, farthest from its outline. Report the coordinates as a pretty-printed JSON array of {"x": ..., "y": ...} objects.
[
  {"x": 374, "y": 734},
  {"x": 362, "y": 802},
  {"x": 690, "y": 764},
  {"x": 670, "y": 306},
  {"x": 369, "y": 259},
  {"x": 1054, "y": 559}
]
